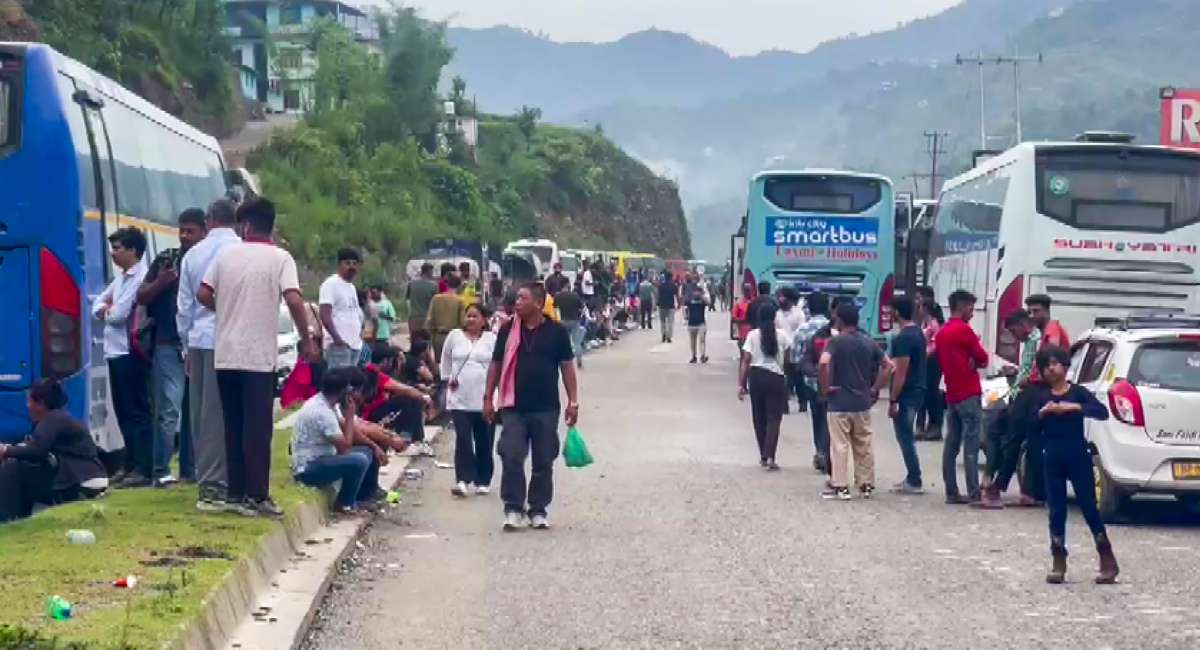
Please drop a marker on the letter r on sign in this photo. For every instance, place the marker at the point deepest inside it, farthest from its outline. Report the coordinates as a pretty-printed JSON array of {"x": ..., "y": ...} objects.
[{"x": 1185, "y": 121}]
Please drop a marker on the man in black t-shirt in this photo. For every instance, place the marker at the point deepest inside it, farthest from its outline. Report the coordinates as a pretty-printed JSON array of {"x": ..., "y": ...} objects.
[
  {"x": 907, "y": 390},
  {"x": 167, "y": 377},
  {"x": 696, "y": 306},
  {"x": 668, "y": 297},
  {"x": 525, "y": 385},
  {"x": 570, "y": 314}
]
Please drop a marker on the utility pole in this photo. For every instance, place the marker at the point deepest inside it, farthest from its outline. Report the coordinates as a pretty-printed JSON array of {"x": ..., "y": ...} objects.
[
  {"x": 981, "y": 60},
  {"x": 935, "y": 145}
]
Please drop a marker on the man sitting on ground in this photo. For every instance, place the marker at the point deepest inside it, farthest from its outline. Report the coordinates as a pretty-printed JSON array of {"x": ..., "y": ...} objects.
[{"x": 394, "y": 404}]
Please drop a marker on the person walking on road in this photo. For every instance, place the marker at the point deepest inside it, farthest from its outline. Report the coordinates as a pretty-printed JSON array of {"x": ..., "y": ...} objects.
[
  {"x": 522, "y": 386},
  {"x": 807, "y": 345},
  {"x": 740, "y": 314},
  {"x": 244, "y": 286},
  {"x": 852, "y": 372},
  {"x": 668, "y": 296},
  {"x": 385, "y": 314},
  {"x": 570, "y": 313},
  {"x": 197, "y": 328},
  {"x": 696, "y": 308},
  {"x": 907, "y": 393},
  {"x": 419, "y": 293},
  {"x": 930, "y": 417},
  {"x": 465, "y": 361},
  {"x": 761, "y": 376},
  {"x": 159, "y": 294},
  {"x": 126, "y": 370},
  {"x": 1060, "y": 409},
  {"x": 446, "y": 312},
  {"x": 645, "y": 294},
  {"x": 341, "y": 313},
  {"x": 960, "y": 356}
]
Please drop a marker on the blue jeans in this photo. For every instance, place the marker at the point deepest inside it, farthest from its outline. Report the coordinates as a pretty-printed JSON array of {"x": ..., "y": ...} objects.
[
  {"x": 350, "y": 468},
  {"x": 904, "y": 425},
  {"x": 167, "y": 378},
  {"x": 1068, "y": 459},
  {"x": 965, "y": 420},
  {"x": 576, "y": 332}
]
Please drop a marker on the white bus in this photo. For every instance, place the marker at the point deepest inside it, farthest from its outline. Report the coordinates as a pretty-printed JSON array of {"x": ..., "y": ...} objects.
[
  {"x": 1103, "y": 226},
  {"x": 544, "y": 252}
]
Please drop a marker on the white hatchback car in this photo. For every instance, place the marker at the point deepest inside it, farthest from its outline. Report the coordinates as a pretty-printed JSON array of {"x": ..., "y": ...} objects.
[
  {"x": 1147, "y": 370},
  {"x": 288, "y": 342}
]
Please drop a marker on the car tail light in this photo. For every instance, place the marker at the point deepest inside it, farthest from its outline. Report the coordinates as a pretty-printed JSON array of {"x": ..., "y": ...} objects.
[
  {"x": 1189, "y": 337},
  {"x": 748, "y": 280},
  {"x": 1007, "y": 346},
  {"x": 61, "y": 332},
  {"x": 1126, "y": 404},
  {"x": 886, "y": 293}
]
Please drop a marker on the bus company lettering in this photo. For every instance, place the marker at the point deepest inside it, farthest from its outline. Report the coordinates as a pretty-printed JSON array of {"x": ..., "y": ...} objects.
[
  {"x": 809, "y": 252},
  {"x": 1125, "y": 246},
  {"x": 843, "y": 232}
]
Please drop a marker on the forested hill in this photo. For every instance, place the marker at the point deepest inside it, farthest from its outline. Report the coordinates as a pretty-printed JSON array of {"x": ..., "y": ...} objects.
[{"x": 372, "y": 164}]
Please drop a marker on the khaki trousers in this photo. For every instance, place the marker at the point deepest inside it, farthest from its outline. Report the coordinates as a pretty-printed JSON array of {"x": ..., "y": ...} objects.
[{"x": 851, "y": 433}]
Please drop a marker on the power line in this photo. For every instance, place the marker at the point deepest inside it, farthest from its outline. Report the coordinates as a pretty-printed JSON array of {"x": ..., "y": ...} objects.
[{"x": 981, "y": 60}]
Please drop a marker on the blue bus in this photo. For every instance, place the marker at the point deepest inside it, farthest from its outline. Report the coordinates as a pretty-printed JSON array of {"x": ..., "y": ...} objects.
[
  {"x": 80, "y": 156},
  {"x": 832, "y": 231}
]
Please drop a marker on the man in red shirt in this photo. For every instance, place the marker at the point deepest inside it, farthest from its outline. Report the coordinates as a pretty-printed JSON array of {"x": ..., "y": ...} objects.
[
  {"x": 1053, "y": 333},
  {"x": 960, "y": 355}
]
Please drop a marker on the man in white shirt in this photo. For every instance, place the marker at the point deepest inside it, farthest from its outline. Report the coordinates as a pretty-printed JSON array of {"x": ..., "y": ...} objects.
[
  {"x": 588, "y": 286},
  {"x": 197, "y": 330},
  {"x": 791, "y": 315},
  {"x": 341, "y": 314},
  {"x": 244, "y": 285},
  {"x": 127, "y": 372}
]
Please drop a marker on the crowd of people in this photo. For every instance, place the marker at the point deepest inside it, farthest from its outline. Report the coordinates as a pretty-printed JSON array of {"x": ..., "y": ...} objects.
[{"x": 813, "y": 347}]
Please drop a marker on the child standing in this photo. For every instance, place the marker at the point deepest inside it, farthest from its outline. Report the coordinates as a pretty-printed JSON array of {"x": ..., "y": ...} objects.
[{"x": 1061, "y": 407}]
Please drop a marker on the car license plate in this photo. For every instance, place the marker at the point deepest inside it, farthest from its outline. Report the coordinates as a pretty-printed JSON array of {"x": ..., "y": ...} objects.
[{"x": 1184, "y": 471}]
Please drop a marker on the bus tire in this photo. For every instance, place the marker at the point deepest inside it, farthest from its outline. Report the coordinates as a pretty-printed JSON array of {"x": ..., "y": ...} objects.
[{"x": 1111, "y": 499}]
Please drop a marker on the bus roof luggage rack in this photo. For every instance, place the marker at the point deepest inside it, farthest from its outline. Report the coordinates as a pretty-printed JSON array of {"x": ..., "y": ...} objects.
[
  {"x": 1149, "y": 321},
  {"x": 1109, "y": 137}
]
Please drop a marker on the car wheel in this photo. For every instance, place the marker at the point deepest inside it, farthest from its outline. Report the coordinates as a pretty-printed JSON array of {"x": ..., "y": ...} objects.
[{"x": 1110, "y": 498}]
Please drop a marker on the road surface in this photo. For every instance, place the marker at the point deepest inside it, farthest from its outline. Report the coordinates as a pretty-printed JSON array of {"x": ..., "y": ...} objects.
[{"x": 676, "y": 538}]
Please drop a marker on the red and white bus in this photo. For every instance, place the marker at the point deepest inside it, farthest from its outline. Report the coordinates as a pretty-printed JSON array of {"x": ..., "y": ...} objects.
[{"x": 1103, "y": 226}]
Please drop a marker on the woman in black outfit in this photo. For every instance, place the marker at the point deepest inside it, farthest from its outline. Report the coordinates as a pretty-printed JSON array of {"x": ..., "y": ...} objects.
[
  {"x": 930, "y": 416},
  {"x": 58, "y": 462}
]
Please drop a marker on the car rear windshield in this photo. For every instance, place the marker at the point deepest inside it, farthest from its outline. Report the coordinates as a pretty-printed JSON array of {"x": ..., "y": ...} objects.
[
  {"x": 829, "y": 194},
  {"x": 1126, "y": 188},
  {"x": 1173, "y": 365}
]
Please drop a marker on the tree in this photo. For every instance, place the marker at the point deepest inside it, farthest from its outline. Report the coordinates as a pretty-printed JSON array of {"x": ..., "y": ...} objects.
[
  {"x": 458, "y": 88},
  {"x": 527, "y": 120}
]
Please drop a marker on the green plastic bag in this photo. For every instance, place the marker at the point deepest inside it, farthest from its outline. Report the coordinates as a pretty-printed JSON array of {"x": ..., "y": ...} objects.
[{"x": 575, "y": 451}]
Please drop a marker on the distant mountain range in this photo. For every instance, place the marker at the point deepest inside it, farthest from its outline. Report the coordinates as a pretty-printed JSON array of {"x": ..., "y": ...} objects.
[{"x": 709, "y": 120}]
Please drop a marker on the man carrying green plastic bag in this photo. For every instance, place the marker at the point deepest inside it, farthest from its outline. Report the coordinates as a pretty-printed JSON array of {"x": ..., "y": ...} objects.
[{"x": 575, "y": 451}]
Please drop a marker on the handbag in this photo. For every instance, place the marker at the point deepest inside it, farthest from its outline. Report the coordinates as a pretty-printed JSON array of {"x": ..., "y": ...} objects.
[
  {"x": 453, "y": 383},
  {"x": 141, "y": 327}
]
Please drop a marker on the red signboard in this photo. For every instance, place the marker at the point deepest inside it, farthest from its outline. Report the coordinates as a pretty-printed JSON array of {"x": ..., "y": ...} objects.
[{"x": 1179, "y": 118}]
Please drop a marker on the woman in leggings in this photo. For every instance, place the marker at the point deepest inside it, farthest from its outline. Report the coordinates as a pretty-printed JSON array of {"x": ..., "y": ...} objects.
[{"x": 762, "y": 377}]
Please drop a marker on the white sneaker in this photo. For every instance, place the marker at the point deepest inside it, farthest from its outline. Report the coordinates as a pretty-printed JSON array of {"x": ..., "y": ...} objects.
[
  {"x": 459, "y": 489},
  {"x": 426, "y": 449},
  {"x": 513, "y": 521},
  {"x": 482, "y": 490},
  {"x": 539, "y": 522}
]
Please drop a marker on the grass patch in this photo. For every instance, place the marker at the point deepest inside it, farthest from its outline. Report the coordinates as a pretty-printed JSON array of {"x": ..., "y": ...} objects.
[{"x": 178, "y": 554}]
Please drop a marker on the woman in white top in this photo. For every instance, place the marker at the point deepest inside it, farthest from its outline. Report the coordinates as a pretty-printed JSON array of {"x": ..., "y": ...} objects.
[
  {"x": 466, "y": 355},
  {"x": 762, "y": 376}
]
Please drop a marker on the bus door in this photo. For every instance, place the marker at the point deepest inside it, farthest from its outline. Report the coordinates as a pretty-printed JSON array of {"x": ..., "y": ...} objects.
[
  {"x": 101, "y": 415},
  {"x": 737, "y": 264},
  {"x": 905, "y": 262}
]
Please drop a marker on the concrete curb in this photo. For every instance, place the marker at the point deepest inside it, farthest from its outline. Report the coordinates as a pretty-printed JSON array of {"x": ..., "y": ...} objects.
[{"x": 269, "y": 599}]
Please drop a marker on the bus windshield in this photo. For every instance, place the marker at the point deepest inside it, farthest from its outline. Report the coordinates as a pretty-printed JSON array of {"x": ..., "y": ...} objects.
[
  {"x": 829, "y": 194},
  {"x": 1119, "y": 189},
  {"x": 543, "y": 253}
]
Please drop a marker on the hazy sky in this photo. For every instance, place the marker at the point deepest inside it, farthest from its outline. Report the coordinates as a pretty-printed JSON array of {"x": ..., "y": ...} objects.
[{"x": 739, "y": 26}]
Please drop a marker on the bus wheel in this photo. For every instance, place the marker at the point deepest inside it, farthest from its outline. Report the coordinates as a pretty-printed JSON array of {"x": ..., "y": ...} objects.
[{"x": 1110, "y": 498}]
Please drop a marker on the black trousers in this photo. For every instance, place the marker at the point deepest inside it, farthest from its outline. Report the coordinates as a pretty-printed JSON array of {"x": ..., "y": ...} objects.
[
  {"x": 933, "y": 413},
  {"x": 820, "y": 420},
  {"x": 23, "y": 484},
  {"x": 1067, "y": 459},
  {"x": 768, "y": 399},
  {"x": 128, "y": 379},
  {"x": 473, "y": 462},
  {"x": 521, "y": 434},
  {"x": 1019, "y": 415},
  {"x": 646, "y": 312},
  {"x": 247, "y": 398},
  {"x": 410, "y": 421}
]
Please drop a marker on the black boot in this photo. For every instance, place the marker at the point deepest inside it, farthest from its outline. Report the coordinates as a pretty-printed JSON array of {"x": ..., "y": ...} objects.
[
  {"x": 1108, "y": 561},
  {"x": 1058, "y": 569}
]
